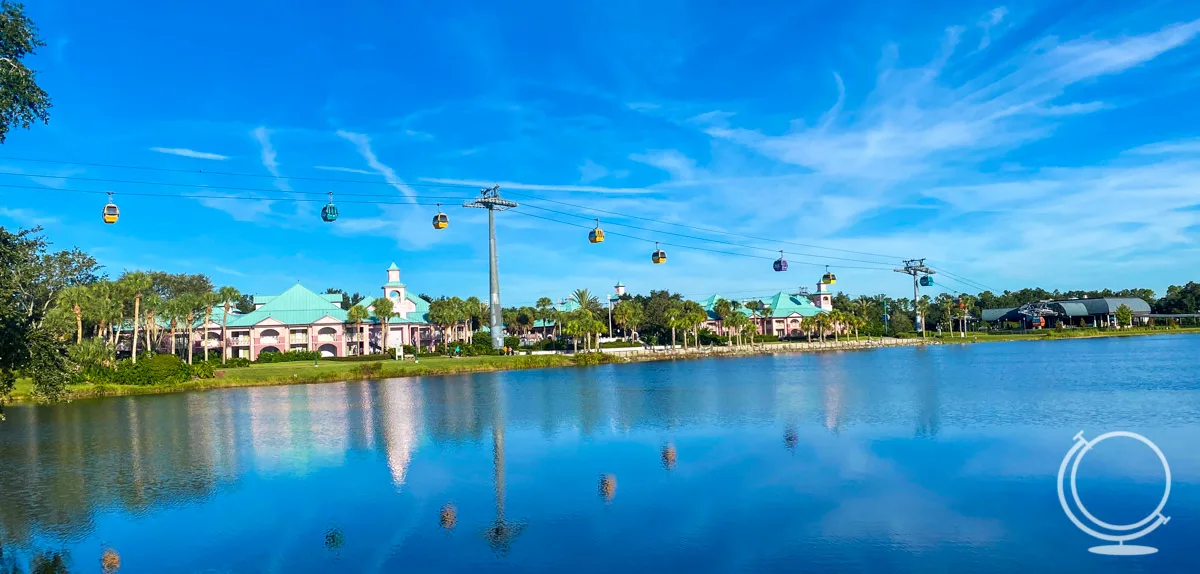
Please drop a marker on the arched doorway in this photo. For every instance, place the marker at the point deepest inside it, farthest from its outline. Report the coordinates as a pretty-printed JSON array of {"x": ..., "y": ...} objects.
[
  {"x": 270, "y": 337},
  {"x": 327, "y": 350},
  {"x": 326, "y": 334}
]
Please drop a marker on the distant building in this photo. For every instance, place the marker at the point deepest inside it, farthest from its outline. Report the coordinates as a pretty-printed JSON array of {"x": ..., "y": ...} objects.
[
  {"x": 782, "y": 314},
  {"x": 300, "y": 319},
  {"x": 1098, "y": 312}
]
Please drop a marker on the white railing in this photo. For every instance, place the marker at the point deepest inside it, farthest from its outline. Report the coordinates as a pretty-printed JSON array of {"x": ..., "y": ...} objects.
[
  {"x": 269, "y": 340},
  {"x": 298, "y": 339}
]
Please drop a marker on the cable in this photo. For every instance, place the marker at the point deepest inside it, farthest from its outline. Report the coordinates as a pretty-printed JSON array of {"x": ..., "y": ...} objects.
[
  {"x": 692, "y": 247},
  {"x": 188, "y": 196},
  {"x": 235, "y": 174},
  {"x": 697, "y": 228},
  {"x": 709, "y": 240},
  {"x": 964, "y": 280},
  {"x": 222, "y": 187},
  {"x": 430, "y": 185}
]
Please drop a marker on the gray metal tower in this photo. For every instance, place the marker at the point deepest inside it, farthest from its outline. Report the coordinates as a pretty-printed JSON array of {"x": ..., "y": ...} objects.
[
  {"x": 916, "y": 268},
  {"x": 489, "y": 199}
]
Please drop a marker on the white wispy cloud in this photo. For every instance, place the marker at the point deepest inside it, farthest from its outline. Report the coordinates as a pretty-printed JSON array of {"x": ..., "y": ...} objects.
[
  {"x": 363, "y": 143},
  {"x": 591, "y": 171},
  {"x": 538, "y": 186},
  {"x": 343, "y": 169},
  {"x": 269, "y": 157},
  {"x": 671, "y": 161},
  {"x": 184, "y": 152},
  {"x": 27, "y": 216}
]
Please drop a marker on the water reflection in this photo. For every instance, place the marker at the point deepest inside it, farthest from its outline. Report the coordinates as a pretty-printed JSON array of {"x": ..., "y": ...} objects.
[{"x": 72, "y": 474}]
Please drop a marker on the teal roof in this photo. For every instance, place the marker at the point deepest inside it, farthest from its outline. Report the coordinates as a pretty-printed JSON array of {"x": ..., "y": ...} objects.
[
  {"x": 296, "y": 306},
  {"x": 619, "y": 284},
  {"x": 710, "y": 305},
  {"x": 784, "y": 305},
  {"x": 566, "y": 306},
  {"x": 393, "y": 267}
]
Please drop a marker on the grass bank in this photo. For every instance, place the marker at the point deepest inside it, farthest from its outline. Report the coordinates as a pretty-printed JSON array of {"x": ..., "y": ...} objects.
[
  {"x": 1054, "y": 334},
  {"x": 325, "y": 371},
  {"x": 331, "y": 371}
]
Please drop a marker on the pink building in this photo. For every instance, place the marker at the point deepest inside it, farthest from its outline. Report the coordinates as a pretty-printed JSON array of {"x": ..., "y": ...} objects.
[{"x": 300, "y": 319}]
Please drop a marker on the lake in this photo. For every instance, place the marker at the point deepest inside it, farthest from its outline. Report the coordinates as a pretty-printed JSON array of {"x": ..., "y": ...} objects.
[{"x": 937, "y": 459}]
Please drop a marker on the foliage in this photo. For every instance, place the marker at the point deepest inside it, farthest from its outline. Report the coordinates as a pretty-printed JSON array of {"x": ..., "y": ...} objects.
[
  {"x": 588, "y": 359},
  {"x": 288, "y": 356},
  {"x": 22, "y": 101},
  {"x": 162, "y": 369},
  {"x": 49, "y": 366},
  {"x": 348, "y": 300},
  {"x": 1124, "y": 315},
  {"x": 628, "y": 315},
  {"x": 620, "y": 344},
  {"x": 1180, "y": 299}
]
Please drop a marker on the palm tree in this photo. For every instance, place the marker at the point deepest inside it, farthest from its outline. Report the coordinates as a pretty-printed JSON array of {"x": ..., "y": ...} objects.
[
  {"x": 723, "y": 309},
  {"x": 136, "y": 282},
  {"x": 227, "y": 295},
  {"x": 446, "y": 314},
  {"x": 74, "y": 298},
  {"x": 695, "y": 316},
  {"x": 922, "y": 309},
  {"x": 676, "y": 319},
  {"x": 525, "y": 319},
  {"x": 586, "y": 300},
  {"x": 357, "y": 314},
  {"x": 151, "y": 303},
  {"x": 545, "y": 310},
  {"x": 628, "y": 315},
  {"x": 384, "y": 311},
  {"x": 821, "y": 321}
]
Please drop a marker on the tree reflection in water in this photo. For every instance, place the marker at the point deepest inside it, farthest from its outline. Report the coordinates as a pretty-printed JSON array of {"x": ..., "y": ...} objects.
[
  {"x": 790, "y": 438},
  {"x": 334, "y": 539}
]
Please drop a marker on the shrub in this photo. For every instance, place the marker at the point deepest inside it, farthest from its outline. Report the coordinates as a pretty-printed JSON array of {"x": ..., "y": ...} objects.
[
  {"x": 620, "y": 344},
  {"x": 369, "y": 369},
  {"x": 288, "y": 356},
  {"x": 202, "y": 370},
  {"x": 156, "y": 370},
  {"x": 588, "y": 359}
]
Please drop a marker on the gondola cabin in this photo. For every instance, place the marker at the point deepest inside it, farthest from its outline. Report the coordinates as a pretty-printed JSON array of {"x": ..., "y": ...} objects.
[
  {"x": 926, "y": 281},
  {"x": 596, "y": 235},
  {"x": 329, "y": 213},
  {"x": 829, "y": 278},
  {"x": 1037, "y": 322},
  {"x": 780, "y": 264},
  {"x": 659, "y": 256},
  {"x": 441, "y": 221},
  {"x": 111, "y": 213}
]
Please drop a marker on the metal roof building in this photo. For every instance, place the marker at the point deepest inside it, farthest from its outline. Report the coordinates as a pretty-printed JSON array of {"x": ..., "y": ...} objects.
[{"x": 1100, "y": 310}]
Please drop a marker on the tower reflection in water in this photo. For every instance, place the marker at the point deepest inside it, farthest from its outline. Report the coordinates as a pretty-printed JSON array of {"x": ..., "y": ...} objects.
[{"x": 502, "y": 532}]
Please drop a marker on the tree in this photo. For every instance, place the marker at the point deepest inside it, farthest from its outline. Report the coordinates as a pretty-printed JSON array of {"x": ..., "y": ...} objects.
[
  {"x": 525, "y": 318},
  {"x": 676, "y": 319},
  {"x": 357, "y": 314},
  {"x": 227, "y": 295},
  {"x": 695, "y": 316},
  {"x": 628, "y": 315},
  {"x": 75, "y": 298},
  {"x": 722, "y": 308},
  {"x": 586, "y": 300},
  {"x": 210, "y": 300},
  {"x": 348, "y": 300},
  {"x": 1124, "y": 315},
  {"x": 545, "y": 312},
  {"x": 446, "y": 313},
  {"x": 22, "y": 101},
  {"x": 135, "y": 282},
  {"x": 384, "y": 311}
]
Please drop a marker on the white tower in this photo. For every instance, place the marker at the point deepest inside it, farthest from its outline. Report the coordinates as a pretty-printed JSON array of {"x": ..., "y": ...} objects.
[
  {"x": 822, "y": 299},
  {"x": 394, "y": 289},
  {"x": 619, "y": 289}
]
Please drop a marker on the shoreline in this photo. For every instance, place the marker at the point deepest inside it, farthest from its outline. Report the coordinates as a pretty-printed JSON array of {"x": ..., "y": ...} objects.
[{"x": 278, "y": 374}]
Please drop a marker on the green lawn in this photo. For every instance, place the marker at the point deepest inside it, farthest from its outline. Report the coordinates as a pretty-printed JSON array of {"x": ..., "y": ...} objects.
[{"x": 325, "y": 371}]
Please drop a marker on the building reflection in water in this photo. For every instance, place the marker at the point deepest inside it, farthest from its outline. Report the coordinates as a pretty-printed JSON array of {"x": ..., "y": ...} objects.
[
  {"x": 608, "y": 487},
  {"x": 668, "y": 456},
  {"x": 402, "y": 411},
  {"x": 926, "y": 375},
  {"x": 448, "y": 517}
]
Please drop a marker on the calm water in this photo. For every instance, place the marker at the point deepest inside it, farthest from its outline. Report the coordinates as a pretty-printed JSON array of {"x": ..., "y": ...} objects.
[{"x": 897, "y": 460}]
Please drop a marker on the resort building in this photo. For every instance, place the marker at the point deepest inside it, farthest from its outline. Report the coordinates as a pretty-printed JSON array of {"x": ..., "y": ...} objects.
[
  {"x": 781, "y": 314},
  {"x": 300, "y": 319},
  {"x": 1099, "y": 312}
]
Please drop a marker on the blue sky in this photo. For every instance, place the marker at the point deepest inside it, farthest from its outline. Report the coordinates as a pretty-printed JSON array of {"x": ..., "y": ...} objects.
[{"x": 1049, "y": 144}]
